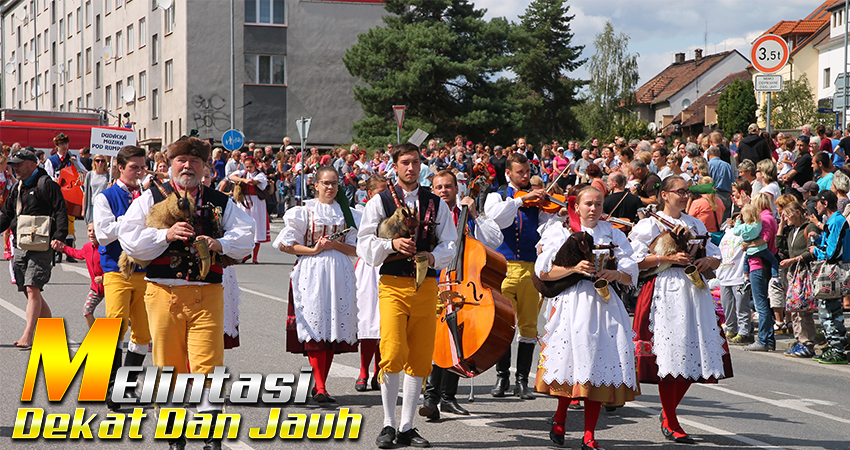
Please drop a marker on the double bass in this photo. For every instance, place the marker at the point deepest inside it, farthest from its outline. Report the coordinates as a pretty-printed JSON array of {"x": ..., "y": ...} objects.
[
  {"x": 72, "y": 190},
  {"x": 475, "y": 323}
]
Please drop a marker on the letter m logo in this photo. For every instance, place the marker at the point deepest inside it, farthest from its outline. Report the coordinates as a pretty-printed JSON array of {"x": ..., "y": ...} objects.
[{"x": 50, "y": 348}]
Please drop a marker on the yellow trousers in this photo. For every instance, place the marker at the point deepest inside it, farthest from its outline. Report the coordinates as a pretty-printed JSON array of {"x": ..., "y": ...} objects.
[
  {"x": 407, "y": 324},
  {"x": 187, "y": 323},
  {"x": 125, "y": 300},
  {"x": 517, "y": 287}
]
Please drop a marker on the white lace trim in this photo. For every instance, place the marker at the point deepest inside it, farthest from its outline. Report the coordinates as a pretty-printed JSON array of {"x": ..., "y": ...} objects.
[
  {"x": 686, "y": 339},
  {"x": 323, "y": 292},
  {"x": 232, "y": 300}
]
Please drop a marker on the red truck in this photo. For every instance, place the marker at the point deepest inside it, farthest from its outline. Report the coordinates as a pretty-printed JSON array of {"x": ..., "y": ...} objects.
[{"x": 38, "y": 128}]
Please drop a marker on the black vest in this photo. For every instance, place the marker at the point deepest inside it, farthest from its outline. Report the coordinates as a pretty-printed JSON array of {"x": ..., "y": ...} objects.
[
  {"x": 405, "y": 267},
  {"x": 177, "y": 262}
]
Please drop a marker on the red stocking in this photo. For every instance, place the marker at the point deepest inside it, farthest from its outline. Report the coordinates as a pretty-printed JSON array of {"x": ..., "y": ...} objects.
[
  {"x": 318, "y": 363},
  {"x": 560, "y": 415},
  {"x": 367, "y": 351},
  {"x": 377, "y": 356},
  {"x": 329, "y": 358},
  {"x": 667, "y": 390},
  {"x": 681, "y": 390},
  {"x": 256, "y": 251},
  {"x": 591, "y": 416}
]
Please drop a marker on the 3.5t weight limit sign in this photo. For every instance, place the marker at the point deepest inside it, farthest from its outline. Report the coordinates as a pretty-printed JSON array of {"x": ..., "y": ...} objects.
[{"x": 770, "y": 53}]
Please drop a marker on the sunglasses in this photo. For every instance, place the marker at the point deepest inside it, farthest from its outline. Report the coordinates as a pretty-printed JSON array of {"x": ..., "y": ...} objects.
[{"x": 99, "y": 160}]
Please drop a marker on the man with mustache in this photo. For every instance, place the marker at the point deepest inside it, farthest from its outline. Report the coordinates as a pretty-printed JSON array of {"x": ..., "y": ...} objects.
[{"x": 185, "y": 311}]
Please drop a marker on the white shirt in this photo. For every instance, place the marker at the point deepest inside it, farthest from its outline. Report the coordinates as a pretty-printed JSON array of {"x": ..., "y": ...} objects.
[
  {"x": 503, "y": 212},
  {"x": 374, "y": 250},
  {"x": 259, "y": 176},
  {"x": 486, "y": 230},
  {"x": 146, "y": 244},
  {"x": 48, "y": 167},
  {"x": 105, "y": 223}
]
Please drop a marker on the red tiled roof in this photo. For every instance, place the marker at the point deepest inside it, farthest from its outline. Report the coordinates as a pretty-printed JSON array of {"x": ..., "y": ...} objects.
[
  {"x": 710, "y": 98},
  {"x": 675, "y": 77},
  {"x": 789, "y": 27}
]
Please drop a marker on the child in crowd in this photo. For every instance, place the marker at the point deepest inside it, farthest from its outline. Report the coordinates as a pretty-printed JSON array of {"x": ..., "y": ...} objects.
[
  {"x": 536, "y": 182},
  {"x": 732, "y": 277},
  {"x": 749, "y": 230},
  {"x": 360, "y": 196},
  {"x": 91, "y": 255}
]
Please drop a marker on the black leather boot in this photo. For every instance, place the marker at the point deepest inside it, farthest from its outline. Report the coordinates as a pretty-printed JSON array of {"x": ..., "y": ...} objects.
[
  {"x": 448, "y": 402},
  {"x": 180, "y": 442},
  {"x": 525, "y": 354},
  {"x": 503, "y": 375},
  {"x": 133, "y": 360},
  {"x": 116, "y": 364},
  {"x": 212, "y": 443},
  {"x": 431, "y": 397}
]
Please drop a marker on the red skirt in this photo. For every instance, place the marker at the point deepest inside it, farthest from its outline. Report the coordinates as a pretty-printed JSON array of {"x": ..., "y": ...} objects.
[
  {"x": 293, "y": 345},
  {"x": 647, "y": 368}
]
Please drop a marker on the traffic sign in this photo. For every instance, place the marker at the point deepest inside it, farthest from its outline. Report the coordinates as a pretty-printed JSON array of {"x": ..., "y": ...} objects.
[
  {"x": 768, "y": 83},
  {"x": 303, "y": 125},
  {"x": 232, "y": 139},
  {"x": 398, "y": 110},
  {"x": 770, "y": 53}
]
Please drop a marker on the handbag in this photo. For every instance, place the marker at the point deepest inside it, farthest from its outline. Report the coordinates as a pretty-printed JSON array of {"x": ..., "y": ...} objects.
[
  {"x": 800, "y": 296},
  {"x": 33, "y": 232},
  {"x": 829, "y": 279},
  {"x": 716, "y": 236}
]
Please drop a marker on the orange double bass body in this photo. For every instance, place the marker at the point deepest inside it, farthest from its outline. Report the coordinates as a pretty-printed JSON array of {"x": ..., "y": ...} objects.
[
  {"x": 475, "y": 323},
  {"x": 72, "y": 190}
]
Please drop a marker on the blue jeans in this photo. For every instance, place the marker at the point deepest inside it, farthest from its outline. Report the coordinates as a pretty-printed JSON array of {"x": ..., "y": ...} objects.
[
  {"x": 766, "y": 258},
  {"x": 758, "y": 281}
]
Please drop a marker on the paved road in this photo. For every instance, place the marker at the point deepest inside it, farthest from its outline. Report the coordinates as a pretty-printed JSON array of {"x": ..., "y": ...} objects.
[{"x": 773, "y": 402}]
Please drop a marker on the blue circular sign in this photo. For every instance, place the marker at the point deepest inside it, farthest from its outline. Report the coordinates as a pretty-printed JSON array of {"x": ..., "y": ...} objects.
[{"x": 232, "y": 140}]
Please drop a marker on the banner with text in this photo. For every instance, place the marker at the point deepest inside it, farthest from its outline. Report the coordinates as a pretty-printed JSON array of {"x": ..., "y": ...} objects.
[{"x": 106, "y": 141}]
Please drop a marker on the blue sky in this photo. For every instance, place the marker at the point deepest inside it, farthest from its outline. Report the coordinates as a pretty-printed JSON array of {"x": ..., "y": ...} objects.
[{"x": 661, "y": 28}]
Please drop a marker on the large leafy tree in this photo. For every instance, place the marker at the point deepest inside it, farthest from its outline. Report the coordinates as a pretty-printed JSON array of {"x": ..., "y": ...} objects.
[
  {"x": 613, "y": 81},
  {"x": 736, "y": 108},
  {"x": 438, "y": 57},
  {"x": 794, "y": 106},
  {"x": 542, "y": 57}
]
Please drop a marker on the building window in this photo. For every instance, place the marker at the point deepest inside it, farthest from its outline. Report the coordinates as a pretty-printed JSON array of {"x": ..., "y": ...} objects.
[
  {"x": 53, "y": 11},
  {"x": 119, "y": 93},
  {"x": 26, "y": 91},
  {"x": 143, "y": 85},
  {"x": 265, "y": 12},
  {"x": 88, "y": 60},
  {"x": 53, "y": 53},
  {"x": 26, "y": 54},
  {"x": 79, "y": 64},
  {"x": 119, "y": 44},
  {"x": 108, "y": 98},
  {"x": 53, "y": 97},
  {"x": 88, "y": 13},
  {"x": 118, "y": 3},
  {"x": 265, "y": 69},
  {"x": 38, "y": 44},
  {"x": 130, "y": 38},
  {"x": 61, "y": 30},
  {"x": 107, "y": 6},
  {"x": 97, "y": 27},
  {"x": 20, "y": 71},
  {"x": 154, "y": 104},
  {"x": 97, "y": 75},
  {"x": 131, "y": 82},
  {"x": 154, "y": 50},
  {"x": 826, "y": 77},
  {"x": 169, "y": 75},
  {"x": 88, "y": 100},
  {"x": 68, "y": 69},
  {"x": 19, "y": 36},
  {"x": 79, "y": 19},
  {"x": 143, "y": 31},
  {"x": 169, "y": 20},
  {"x": 108, "y": 43},
  {"x": 70, "y": 23}
]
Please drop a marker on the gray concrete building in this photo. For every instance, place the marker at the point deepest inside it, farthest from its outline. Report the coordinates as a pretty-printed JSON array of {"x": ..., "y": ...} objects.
[{"x": 168, "y": 63}]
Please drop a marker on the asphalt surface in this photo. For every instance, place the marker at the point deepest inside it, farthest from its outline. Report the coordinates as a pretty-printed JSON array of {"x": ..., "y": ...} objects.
[{"x": 772, "y": 402}]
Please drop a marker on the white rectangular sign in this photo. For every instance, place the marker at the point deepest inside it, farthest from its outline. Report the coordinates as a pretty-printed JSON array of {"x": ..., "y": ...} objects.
[
  {"x": 768, "y": 83},
  {"x": 105, "y": 141}
]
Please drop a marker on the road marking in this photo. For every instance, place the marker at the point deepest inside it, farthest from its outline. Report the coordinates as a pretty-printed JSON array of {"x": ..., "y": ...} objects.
[
  {"x": 746, "y": 440},
  {"x": 260, "y": 294},
  {"x": 237, "y": 445},
  {"x": 796, "y": 404},
  {"x": 13, "y": 309},
  {"x": 69, "y": 268}
]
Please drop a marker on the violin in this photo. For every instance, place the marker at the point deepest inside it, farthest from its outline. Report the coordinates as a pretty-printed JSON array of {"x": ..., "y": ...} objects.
[
  {"x": 475, "y": 322},
  {"x": 551, "y": 204}
]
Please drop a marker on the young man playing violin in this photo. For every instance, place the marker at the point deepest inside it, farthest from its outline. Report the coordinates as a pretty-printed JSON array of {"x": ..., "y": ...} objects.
[
  {"x": 521, "y": 224},
  {"x": 441, "y": 385},
  {"x": 408, "y": 325}
]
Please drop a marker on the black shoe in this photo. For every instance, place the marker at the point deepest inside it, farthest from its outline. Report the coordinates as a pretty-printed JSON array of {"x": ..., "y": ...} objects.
[
  {"x": 386, "y": 438},
  {"x": 522, "y": 390},
  {"x": 374, "y": 383},
  {"x": 411, "y": 437},
  {"x": 178, "y": 444},
  {"x": 360, "y": 385},
  {"x": 323, "y": 397},
  {"x": 686, "y": 439},
  {"x": 586, "y": 445},
  {"x": 133, "y": 359},
  {"x": 451, "y": 406},
  {"x": 558, "y": 439},
  {"x": 116, "y": 364},
  {"x": 429, "y": 410},
  {"x": 577, "y": 406},
  {"x": 500, "y": 389},
  {"x": 212, "y": 444}
]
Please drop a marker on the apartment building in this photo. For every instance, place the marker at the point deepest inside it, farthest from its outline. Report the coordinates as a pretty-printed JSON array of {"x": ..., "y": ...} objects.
[{"x": 166, "y": 64}]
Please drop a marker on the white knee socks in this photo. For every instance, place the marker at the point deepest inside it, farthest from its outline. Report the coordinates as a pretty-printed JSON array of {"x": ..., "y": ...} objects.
[
  {"x": 409, "y": 401},
  {"x": 389, "y": 397}
]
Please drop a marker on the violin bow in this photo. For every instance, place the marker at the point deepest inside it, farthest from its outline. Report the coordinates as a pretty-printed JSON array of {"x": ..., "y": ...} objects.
[{"x": 557, "y": 178}]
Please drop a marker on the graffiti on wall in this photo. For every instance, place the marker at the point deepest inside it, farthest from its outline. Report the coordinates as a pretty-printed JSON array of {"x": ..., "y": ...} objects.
[{"x": 210, "y": 114}]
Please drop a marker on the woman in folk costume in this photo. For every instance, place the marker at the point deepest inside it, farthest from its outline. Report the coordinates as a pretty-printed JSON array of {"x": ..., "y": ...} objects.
[
  {"x": 679, "y": 340},
  {"x": 253, "y": 181},
  {"x": 322, "y": 314},
  {"x": 368, "y": 314},
  {"x": 587, "y": 352}
]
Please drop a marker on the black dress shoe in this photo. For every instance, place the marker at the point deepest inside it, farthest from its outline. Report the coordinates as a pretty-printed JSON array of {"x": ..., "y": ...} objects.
[
  {"x": 375, "y": 385},
  {"x": 323, "y": 397},
  {"x": 360, "y": 385},
  {"x": 411, "y": 437},
  {"x": 429, "y": 410},
  {"x": 212, "y": 444},
  {"x": 686, "y": 439},
  {"x": 451, "y": 406},
  {"x": 558, "y": 439},
  {"x": 386, "y": 438},
  {"x": 577, "y": 406},
  {"x": 586, "y": 445},
  {"x": 177, "y": 444}
]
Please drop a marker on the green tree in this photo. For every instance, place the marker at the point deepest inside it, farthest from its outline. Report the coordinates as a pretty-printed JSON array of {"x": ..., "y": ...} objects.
[
  {"x": 794, "y": 106},
  {"x": 613, "y": 80},
  {"x": 438, "y": 57},
  {"x": 736, "y": 108},
  {"x": 541, "y": 57}
]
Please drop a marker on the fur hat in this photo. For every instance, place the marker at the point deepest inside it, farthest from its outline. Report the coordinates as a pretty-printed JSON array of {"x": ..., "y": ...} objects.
[
  {"x": 192, "y": 147},
  {"x": 61, "y": 137}
]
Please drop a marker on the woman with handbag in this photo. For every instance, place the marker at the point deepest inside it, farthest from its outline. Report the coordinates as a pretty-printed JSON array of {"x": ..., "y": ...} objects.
[
  {"x": 801, "y": 302},
  {"x": 833, "y": 248},
  {"x": 254, "y": 181},
  {"x": 706, "y": 209}
]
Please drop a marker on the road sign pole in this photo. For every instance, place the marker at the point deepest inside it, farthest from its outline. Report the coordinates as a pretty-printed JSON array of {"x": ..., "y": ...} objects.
[{"x": 767, "y": 119}]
